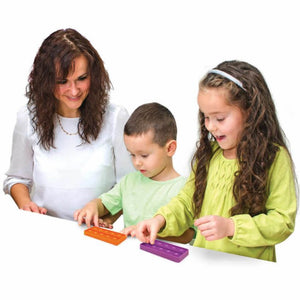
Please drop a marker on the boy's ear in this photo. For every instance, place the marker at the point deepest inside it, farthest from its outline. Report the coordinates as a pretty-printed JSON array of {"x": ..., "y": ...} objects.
[{"x": 171, "y": 147}]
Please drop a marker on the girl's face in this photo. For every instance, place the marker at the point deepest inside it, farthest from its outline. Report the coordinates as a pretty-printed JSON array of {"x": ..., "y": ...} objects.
[
  {"x": 222, "y": 119},
  {"x": 72, "y": 91}
]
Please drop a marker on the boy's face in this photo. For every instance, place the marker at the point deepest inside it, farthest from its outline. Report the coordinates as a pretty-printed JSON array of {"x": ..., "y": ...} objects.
[{"x": 149, "y": 158}]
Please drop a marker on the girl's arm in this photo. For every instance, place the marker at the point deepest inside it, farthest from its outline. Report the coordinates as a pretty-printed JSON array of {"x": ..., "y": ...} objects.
[
  {"x": 146, "y": 231},
  {"x": 274, "y": 226}
]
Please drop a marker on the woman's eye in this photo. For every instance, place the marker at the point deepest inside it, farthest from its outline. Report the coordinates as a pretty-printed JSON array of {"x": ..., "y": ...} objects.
[
  {"x": 83, "y": 77},
  {"x": 62, "y": 81}
]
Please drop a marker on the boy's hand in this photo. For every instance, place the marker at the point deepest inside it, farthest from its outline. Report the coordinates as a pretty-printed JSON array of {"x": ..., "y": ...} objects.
[
  {"x": 215, "y": 227},
  {"x": 88, "y": 214},
  {"x": 109, "y": 219},
  {"x": 130, "y": 230},
  {"x": 106, "y": 223},
  {"x": 146, "y": 231}
]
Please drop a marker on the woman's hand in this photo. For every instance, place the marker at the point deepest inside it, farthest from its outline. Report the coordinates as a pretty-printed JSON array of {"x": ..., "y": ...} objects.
[
  {"x": 146, "y": 231},
  {"x": 31, "y": 206},
  {"x": 215, "y": 227},
  {"x": 88, "y": 214}
]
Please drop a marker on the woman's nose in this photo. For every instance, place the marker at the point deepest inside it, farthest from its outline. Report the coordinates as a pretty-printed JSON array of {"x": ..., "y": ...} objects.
[{"x": 73, "y": 88}]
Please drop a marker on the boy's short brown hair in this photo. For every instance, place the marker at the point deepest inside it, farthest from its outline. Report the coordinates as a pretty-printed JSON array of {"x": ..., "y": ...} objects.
[{"x": 152, "y": 116}]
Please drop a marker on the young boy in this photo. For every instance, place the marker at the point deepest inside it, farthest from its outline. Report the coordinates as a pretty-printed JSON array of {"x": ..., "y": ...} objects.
[{"x": 150, "y": 137}]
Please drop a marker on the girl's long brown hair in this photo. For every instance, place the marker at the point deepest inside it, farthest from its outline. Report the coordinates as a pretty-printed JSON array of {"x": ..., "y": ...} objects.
[
  {"x": 258, "y": 143},
  {"x": 60, "y": 49}
]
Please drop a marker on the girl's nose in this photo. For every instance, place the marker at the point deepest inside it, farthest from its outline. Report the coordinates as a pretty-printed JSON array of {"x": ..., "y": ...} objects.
[{"x": 210, "y": 126}]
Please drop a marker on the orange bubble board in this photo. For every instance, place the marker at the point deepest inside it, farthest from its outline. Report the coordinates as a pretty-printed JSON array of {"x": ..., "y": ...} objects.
[{"x": 106, "y": 235}]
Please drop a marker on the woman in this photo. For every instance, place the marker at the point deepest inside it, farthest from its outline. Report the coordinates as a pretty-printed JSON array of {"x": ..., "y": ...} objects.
[{"x": 68, "y": 142}]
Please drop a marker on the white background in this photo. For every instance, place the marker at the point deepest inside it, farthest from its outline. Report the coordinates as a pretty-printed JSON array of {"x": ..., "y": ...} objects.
[{"x": 158, "y": 51}]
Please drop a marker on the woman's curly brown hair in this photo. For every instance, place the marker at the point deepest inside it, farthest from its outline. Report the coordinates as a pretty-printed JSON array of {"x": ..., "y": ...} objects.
[
  {"x": 60, "y": 49},
  {"x": 258, "y": 143}
]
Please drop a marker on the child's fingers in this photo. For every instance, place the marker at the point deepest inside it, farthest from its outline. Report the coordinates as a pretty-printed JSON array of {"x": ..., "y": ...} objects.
[
  {"x": 142, "y": 232},
  {"x": 80, "y": 218},
  {"x": 88, "y": 219},
  {"x": 202, "y": 220},
  {"x": 96, "y": 220},
  {"x": 153, "y": 235},
  {"x": 75, "y": 215}
]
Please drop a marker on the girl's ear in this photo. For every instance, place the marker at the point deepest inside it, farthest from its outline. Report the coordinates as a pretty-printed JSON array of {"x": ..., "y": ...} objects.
[{"x": 171, "y": 147}]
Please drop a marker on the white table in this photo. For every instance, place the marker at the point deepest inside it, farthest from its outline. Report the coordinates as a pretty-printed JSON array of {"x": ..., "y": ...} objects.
[{"x": 48, "y": 258}]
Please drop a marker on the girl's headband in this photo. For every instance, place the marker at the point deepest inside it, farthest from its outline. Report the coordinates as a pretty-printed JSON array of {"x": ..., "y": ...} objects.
[{"x": 228, "y": 76}]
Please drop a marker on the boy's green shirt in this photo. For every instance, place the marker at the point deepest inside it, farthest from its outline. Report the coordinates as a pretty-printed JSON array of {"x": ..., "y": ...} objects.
[{"x": 140, "y": 197}]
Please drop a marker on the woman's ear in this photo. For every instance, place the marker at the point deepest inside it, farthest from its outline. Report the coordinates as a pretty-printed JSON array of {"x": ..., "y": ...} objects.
[{"x": 171, "y": 147}]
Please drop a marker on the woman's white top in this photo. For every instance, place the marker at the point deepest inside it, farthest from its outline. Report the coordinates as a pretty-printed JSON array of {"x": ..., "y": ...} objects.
[{"x": 63, "y": 179}]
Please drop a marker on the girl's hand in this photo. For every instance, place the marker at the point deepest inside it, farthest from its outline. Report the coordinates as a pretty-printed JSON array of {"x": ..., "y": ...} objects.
[
  {"x": 31, "y": 206},
  {"x": 215, "y": 227},
  {"x": 88, "y": 214},
  {"x": 146, "y": 231},
  {"x": 130, "y": 230}
]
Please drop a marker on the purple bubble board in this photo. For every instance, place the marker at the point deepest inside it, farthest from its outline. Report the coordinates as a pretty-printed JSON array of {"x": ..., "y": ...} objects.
[{"x": 166, "y": 250}]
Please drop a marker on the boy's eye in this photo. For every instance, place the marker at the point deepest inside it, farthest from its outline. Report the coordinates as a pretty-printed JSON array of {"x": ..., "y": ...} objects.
[{"x": 144, "y": 155}]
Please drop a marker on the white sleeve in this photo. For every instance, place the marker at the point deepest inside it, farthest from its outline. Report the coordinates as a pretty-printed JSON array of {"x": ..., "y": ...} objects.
[
  {"x": 123, "y": 163},
  {"x": 21, "y": 161}
]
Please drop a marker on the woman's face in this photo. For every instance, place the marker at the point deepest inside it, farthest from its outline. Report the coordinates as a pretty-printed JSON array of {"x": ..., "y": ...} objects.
[{"x": 73, "y": 90}]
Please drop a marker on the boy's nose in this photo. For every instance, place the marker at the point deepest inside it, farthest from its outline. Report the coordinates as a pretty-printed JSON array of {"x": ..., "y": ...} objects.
[{"x": 137, "y": 162}]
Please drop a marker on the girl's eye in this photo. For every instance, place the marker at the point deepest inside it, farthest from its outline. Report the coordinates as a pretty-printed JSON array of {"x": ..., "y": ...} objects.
[{"x": 220, "y": 119}]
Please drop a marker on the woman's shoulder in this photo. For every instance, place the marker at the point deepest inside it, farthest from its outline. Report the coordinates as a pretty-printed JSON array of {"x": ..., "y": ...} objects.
[
  {"x": 114, "y": 109},
  {"x": 23, "y": 118},
  {"x": 115, "y": 117}
]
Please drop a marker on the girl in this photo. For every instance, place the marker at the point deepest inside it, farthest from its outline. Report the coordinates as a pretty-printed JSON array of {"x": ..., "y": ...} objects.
[{"x": 241, "y": 194}]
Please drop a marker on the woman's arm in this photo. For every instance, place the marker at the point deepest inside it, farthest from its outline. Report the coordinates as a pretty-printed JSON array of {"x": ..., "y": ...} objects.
[{"x": 20, "y": 193}]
